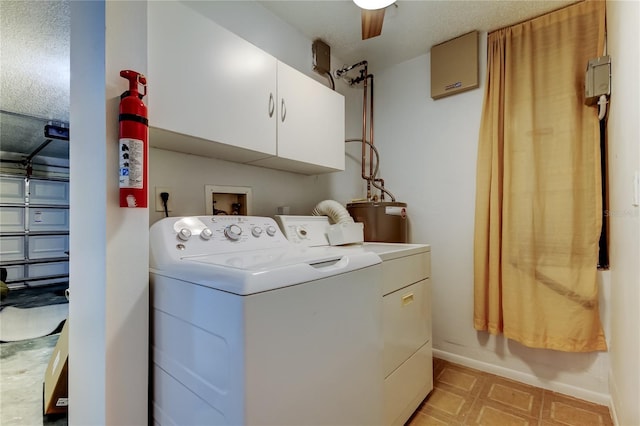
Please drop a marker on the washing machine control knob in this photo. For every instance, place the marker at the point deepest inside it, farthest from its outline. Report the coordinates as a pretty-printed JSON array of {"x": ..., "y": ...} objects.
[
  {"x": 233, "y": 232},
  {"x": 271, "y": 230},
  {"x": 184, "y": 234},
  {"x": 256, "y": 231},
  {"x": 206, "y": 234},
  {"x": 302, "y": 232}
]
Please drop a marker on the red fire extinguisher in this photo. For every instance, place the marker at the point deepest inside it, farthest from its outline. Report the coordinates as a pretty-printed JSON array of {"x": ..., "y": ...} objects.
[{"x": 133, "y": 149}]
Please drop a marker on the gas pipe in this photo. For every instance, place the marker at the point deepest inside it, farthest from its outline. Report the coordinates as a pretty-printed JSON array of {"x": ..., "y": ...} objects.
[{"x": 133, "y": 150}]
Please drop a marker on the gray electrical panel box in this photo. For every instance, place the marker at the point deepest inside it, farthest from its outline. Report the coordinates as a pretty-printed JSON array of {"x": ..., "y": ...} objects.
[{"x": 597, "y": 81}]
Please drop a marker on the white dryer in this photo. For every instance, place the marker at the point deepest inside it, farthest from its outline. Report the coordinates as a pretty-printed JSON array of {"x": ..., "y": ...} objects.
[
  {"x": 406, "y": 295},
  {"x": 249, "y": 328}
]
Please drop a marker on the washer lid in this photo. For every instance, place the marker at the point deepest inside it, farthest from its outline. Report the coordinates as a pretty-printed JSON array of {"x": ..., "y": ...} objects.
[
  {"x": 250, "y": 272},
  {"x": 261, "y": 260}
]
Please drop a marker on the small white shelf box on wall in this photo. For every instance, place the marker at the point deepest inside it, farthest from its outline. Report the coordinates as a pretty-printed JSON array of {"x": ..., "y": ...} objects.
[{"x": 227, "y": 200}]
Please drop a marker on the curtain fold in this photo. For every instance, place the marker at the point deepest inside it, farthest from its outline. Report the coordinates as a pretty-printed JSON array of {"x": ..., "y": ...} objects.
[{"x": 538, "y": 200}]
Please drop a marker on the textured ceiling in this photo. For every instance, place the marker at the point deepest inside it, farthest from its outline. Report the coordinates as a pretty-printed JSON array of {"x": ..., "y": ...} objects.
[
  {"x": 410, "y": 27},
  {"x": 34, "y": 75},
  {"x": 35, "y": 58},
  {"x": 35, "y": 39}
]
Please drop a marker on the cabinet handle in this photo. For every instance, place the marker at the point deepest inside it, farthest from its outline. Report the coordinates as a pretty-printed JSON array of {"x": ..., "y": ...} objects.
[
  {"x": 283, "y": 111},
  {"x": 407, "y": 299},
  {"x": 272, "y": 105}
]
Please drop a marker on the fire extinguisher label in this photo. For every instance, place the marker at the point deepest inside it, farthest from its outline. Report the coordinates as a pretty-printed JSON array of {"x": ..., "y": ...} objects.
[{"x": 131, "y": 167}]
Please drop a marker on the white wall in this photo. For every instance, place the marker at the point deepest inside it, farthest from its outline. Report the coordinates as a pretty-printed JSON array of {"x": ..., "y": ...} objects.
[
  {"x": 187, "y": 176},
  {"x": 87, "y": 273},
  {"x": 624, "y": 161},
  {"x": 127, "y": 296},
  {"x": 108, "y": 312},
  {"x": 429, "y": 151}
]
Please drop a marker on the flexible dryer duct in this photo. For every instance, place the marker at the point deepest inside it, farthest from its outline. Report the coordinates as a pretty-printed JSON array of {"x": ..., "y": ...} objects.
[
  {"x": 336, "y": 211},
  {"x": 344, "y": 230}
]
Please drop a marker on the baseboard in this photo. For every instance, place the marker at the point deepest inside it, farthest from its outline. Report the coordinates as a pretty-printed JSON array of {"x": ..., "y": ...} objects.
[
  {"x": 613, "y": 390},
  {"x": 530, "y": 379}
]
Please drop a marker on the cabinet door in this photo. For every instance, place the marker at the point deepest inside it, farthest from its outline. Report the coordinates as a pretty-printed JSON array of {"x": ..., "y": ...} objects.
[
  {"x": 208, "y": 83},
  {"x": 406, "y": 324},
  {"x": 310, "y": 120}
]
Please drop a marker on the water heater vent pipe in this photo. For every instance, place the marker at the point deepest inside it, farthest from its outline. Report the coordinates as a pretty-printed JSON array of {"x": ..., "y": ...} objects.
[{"x": 367, "y": 114}]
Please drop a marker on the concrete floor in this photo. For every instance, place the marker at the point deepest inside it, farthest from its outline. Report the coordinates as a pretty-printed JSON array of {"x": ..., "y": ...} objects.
[
  {"x": 23, "y": 362},
  {"x": 22, "y": 367}
]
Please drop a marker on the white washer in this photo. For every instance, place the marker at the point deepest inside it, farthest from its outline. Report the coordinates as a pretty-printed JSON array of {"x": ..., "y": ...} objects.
[
  {"x": 248, "y": 328},
  {"x": 406, "y": 295}
]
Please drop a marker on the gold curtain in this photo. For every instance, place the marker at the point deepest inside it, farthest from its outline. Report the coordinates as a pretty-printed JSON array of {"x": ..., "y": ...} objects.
[{"x": 538, "y": 199}]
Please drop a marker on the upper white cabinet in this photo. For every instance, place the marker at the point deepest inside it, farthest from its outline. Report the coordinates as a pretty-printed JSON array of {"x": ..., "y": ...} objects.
[
  {"x": 206, "y": 83},
  {"x": 211, "y": 93},
  {"x": 310, "y": 125}
]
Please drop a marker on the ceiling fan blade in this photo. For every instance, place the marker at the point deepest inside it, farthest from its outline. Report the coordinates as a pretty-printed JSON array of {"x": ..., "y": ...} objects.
[{"x": 372, "y": 23}]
